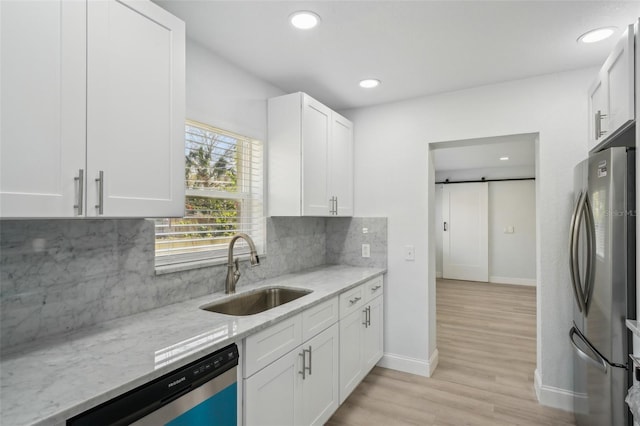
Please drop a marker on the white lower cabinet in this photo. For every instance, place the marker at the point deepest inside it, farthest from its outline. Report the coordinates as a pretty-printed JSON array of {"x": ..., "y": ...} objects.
[
  {"x": 361, "y": 334},
  {"x": 271, "y": 395},
  {"x": 301, "y": 388},
  {"x": 291, "y": 369},
  {"x": 298, "y": 371},
  {"x": 350, "y": 353},
  {"x": 373, "y": 334}
]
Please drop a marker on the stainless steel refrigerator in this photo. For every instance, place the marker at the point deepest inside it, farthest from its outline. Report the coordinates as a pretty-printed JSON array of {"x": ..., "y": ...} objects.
[{"x": 602, "y": 265}]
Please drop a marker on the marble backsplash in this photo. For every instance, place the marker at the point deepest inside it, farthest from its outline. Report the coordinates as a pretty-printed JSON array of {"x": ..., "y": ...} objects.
[{"x": 62, "y": 275}]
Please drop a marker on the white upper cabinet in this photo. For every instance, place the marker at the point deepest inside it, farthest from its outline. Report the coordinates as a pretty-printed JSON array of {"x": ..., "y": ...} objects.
[
  {"x": 611, "y": 96},
  {"x": 310, "y": 158},
  {"x": 93, "y": 117},
  {"x": 42, "y": 119},
  {"x": 341, "y": 162}
]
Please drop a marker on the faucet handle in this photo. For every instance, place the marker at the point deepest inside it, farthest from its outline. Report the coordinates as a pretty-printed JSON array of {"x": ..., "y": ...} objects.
[{"x": 236, "y": 270}]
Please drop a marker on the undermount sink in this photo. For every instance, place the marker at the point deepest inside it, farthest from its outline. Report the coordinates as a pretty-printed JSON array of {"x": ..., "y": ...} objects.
[{"x": 254, "y": 302}]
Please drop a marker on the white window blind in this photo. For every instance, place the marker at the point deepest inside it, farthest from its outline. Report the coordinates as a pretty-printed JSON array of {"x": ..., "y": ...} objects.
[{"x": 224, "y": 196}]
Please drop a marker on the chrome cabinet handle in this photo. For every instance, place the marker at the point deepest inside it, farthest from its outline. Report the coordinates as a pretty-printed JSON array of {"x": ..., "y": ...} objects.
[
  {"x": 445, "y": 227},
  {"x": 367, "y": 317},
  {"x": 354, "y": 300},
  {"x": 598, "y": 124},
  {"x": 305, "y": 368},
  {"x": 375, "y": 288},
  {"x": 80, "y": 198},
  {"x": 336, "y": 209},
  {"x": 304, "y": 363},
  {"x": 100, "y": 182}
]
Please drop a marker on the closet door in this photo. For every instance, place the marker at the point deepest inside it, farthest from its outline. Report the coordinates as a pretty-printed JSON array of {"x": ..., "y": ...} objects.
[
  {"x": 42, "y": 121},
  {"x": 465, "y": 237}
]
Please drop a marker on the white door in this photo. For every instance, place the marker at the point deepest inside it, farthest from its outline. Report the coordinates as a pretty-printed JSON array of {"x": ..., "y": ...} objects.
[
  {"x": 135, "y": 110},
  {"x": 341, "y": 164},
  {"x": 272, "y": 395},
  {"x": 316, "y": 128},
  {"x": 351, "y": 365},
  {"x": 465, "y": 237},
  {"x": 320, "y": 397},
  {"x": 42, "y": 121},
  {"x": 373, "y": 343}
]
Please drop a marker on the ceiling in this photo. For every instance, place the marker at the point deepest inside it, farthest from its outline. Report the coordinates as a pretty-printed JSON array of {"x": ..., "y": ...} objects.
[
  {"x": 477, "y": 158},
  {"x": 415, "y": 47}
]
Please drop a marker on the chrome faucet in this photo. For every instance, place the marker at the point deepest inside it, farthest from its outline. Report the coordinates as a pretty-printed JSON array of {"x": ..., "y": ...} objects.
[{"x": 233, "y": 273}]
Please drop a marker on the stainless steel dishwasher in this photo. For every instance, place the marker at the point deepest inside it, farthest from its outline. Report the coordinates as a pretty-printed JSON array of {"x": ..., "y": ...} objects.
[{"x": 203, "y": 392}]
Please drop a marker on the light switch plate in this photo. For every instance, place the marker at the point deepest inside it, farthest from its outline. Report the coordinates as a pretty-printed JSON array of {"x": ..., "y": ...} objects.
[
  {"x": 366, "y": 250},
  {"x": 409, "y": 253}
]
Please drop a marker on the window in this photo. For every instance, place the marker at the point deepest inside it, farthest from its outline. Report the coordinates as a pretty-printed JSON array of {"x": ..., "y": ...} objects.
[{"x": 224, "y": 192}]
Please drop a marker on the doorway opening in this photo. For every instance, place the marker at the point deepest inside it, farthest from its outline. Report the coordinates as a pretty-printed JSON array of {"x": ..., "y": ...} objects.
[{"x": 484, "y": 221}]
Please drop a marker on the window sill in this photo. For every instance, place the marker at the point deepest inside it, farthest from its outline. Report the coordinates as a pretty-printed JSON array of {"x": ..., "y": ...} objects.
[{"x": 197, "y": 264}]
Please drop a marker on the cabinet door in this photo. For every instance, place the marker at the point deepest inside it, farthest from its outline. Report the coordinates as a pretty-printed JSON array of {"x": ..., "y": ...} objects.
[
  {"x": 320, "y": 386},
  {"x": 597, "y": 112},
  {"x": 135, "y": 109},
  {"x": 42, "y": 121},
  {"x": 316, "y": 122},
  {"x": 611, "y": 96},
  {"x": 351, "y": 365},
  {"x": 341, "y": 164},
  {"x": 618, "y": 71},
  {"x": 373, "y": 334},
  {"x": 272, "y": 396}
]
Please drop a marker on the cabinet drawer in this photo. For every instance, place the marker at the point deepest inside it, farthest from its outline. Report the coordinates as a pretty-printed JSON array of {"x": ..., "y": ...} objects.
[
  {"x": 373, "y": 288},
  {"x": 271, "y": 343},
  {"x": 351, "y": 300},
  {"x": 319, "y": 317}
]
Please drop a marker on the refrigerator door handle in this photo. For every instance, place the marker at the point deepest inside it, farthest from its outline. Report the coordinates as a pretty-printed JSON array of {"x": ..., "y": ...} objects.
[
  {"x": 573, "y": 251},
  {"x": 591, "y": 253},
  {"x": 596, "y": 359}
]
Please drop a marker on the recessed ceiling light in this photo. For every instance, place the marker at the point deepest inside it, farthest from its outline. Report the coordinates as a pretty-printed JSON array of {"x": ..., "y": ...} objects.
[
  {"x": 504, "y": 158},
  {"x": 370, "y": 83},
  {"x": 596, "y": 35},
  {"x": 304, "y": 19}
]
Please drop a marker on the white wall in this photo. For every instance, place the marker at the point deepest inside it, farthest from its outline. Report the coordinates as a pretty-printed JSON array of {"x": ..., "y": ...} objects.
[
  {"x": 224, "y": 96},
  {"x": 400, "y": 185},
  {"x": 512, "y": 257}
]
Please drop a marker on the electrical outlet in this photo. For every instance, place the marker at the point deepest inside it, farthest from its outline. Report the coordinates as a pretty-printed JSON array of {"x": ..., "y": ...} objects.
[
  {"x": 409, "y": 253},
  {"x": 366, "y": 250}
]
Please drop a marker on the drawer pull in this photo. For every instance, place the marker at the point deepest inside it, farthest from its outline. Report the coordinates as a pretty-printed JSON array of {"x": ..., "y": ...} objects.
[
  {"x": 375, "y": 288},
  {"x": 354, "y": 300}
]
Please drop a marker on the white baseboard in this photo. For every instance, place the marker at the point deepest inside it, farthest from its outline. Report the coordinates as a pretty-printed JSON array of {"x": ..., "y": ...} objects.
[
  {"x": 509, "y": 280},
  {"x": 556, "y": 397},
  {"x": 410, "y": 365}
]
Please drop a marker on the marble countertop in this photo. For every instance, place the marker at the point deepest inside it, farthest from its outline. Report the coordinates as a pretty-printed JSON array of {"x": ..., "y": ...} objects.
[{"x": 57, "y": 378}]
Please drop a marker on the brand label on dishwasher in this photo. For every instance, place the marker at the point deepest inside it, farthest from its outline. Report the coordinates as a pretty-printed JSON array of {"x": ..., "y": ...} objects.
[{"x": 602, "y": 169}]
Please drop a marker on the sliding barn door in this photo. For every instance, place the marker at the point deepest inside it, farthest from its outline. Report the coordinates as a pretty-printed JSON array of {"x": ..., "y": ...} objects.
[{"x": 465, "y": 237}]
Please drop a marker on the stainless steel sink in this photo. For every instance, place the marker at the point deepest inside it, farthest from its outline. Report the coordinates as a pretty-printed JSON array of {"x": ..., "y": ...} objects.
[{"x": 254, "y": 302}]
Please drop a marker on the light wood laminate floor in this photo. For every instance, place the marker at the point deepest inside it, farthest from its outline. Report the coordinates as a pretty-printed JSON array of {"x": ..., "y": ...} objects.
[{"x": 486, "y": 336}]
